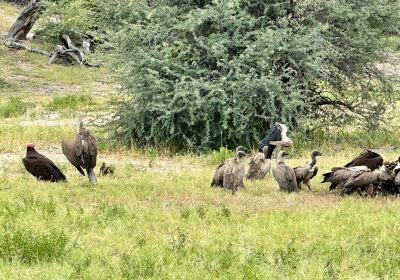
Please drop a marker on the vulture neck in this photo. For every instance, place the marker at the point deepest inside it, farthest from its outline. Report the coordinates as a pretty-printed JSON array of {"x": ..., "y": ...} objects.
[
  {"x": 280, "y": 160},
  {"x": 313, "y": 160}
]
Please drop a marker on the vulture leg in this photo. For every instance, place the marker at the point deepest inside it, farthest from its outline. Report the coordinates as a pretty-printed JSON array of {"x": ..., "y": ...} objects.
[{"x": 308, "y": 185}]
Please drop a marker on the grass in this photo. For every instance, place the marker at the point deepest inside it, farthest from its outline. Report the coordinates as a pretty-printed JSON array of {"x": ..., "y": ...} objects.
[
  {"x": 172, "y": 225},
  {"x": 14, "y": 107},
  {"x": 70, "y": 101}
]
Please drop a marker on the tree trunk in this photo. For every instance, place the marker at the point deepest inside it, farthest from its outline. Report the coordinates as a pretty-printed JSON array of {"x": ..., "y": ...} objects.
[{"x": 24, "y": 22}]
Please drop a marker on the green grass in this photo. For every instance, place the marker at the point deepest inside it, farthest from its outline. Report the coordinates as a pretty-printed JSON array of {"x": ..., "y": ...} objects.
[
  {"x": 71, "y": 102},
  {"x": 14, "y": 107},
  {"x": 172, "y": 225}
]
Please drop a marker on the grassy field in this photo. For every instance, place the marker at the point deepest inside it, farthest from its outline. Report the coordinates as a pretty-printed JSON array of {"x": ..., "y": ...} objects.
[{"x": 158, "y": 217}]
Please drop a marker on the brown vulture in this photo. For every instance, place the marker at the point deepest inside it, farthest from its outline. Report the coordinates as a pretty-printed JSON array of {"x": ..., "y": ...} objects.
[
  {"x": 234, "y": 173},
  {"x": 305, "y": 173},
  {"x": 284, "y": 174},
  {"x": 339, "y": 175},
  {"x": 360, "y": 181},
  {"x": 41, "y": 167},
  {"x": 82, "y": 152},
  {"x": 106, "y": 169},
  {"x": 367, "y": 158},
  {"x": 259, "y": 166},
  {"x": 218, "y": 179}
]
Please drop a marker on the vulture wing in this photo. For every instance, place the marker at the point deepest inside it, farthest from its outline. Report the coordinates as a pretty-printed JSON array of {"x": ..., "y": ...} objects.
[
  {"x": 218, "y": 178},
  {"x": 259, "y": 167},
  {"x": 43, "y": 168},
  {"x": 368, "y": 158},
  {"x": 86, "y": 148}
]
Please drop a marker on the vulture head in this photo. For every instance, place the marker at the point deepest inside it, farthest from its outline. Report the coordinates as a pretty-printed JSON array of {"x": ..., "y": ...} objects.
[
  {"x": 241, "y": 148},
  {"x": 387, "y": 171},
  {"x": 240, "y": 154},
  {"x": 315, "y": 154},
  {"x": 30, "y": 147}
]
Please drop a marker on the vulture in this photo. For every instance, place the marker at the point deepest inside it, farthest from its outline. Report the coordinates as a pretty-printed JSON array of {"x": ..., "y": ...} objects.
[
  {"x": 259, "y": 166},
  {"x": 305, "y": 173},
  {"x": 284, "y": 174},
  {"x": 367, "y": 158},
  {"x": 234, "y": 173},
  {"x": 82, "y": 152},
  {"x": 361, "y": 181},
  {"x": 106, "y": 169},
  {"x": 339, "y": 175},
  {"x": 41, "y": 167},
  {"x": 397, "y": 174},
  {"x": 276, "y": 136},
  {"x": 218, "y": 179}
]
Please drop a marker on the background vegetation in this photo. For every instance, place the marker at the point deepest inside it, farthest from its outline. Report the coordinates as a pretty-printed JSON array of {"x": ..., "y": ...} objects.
[{"x": 157, "y": 217}]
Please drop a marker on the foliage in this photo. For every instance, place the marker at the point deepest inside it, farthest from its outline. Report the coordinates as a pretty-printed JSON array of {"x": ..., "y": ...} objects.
[
  {"x": 14, "y": 107},
  {"x": 206, "y": 73}
]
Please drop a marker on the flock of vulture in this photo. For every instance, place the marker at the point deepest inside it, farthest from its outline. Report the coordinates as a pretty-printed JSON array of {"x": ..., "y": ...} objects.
[
  {"x": 356, "y": 176},
  {"x": 81, "y": 152}
]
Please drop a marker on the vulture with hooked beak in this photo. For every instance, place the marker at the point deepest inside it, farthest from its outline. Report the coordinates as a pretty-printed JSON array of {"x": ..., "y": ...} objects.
[
  {"x": 218, "y": 179},
  {"x": 82, "y": 152},
  {"x": 305, "y": 173},
  {"x": 284, "y": 174},
  {"x": 259, "y": 166},
  {"x": 41, "y": 167}
]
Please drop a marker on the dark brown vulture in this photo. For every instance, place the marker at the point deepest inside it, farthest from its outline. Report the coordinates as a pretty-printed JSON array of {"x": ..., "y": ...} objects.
[
  {"x": 234, "y": 173},
  {"x": 218, "y": 178},
  {"x": 367, "y": 158},
  {"x": 41, "y": 167},
  {"x": 82, "y": 152},
  {"x": 339, "y": 175},
  {"x": 106, "y": 169},
  {"x": 284, "y": 174},
  {"x": 259, "y": 166},
  {"x": 360, "y": 181},
  {"x": 305, "y": 173}
]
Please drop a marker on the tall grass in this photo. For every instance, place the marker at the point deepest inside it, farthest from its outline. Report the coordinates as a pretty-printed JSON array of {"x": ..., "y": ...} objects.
[
  {"x": 71, "y": 102},
  {"x": 13, "y": 107}
]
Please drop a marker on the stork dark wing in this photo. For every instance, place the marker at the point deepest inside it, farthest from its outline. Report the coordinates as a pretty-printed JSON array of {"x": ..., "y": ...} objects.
[{"x": 367, "y": 158}]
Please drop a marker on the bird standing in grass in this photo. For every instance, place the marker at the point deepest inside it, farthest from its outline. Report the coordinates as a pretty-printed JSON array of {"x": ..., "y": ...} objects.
[
  {"x": 234, "y": 173},
  {"x": 305, "y": 173},
  {"x": 284, "y": 174},
  {"x": 82, "y": 152},
  {"x": 259, "y": 166},
  {"x": 41, "y": 167},
  {"x": 218, "y": 178}
]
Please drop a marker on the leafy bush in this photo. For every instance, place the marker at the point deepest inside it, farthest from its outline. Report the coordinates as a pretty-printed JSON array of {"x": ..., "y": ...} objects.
[
  {"x": 203, "y": 74},
  {"x": 14, "y": 107},
  {"x": 71, "y": 101}
]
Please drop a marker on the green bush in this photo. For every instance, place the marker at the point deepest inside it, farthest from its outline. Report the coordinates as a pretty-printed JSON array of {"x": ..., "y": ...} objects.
[
  {"x": 204, "y": 74},
  {"x": 14, "y": 107}
]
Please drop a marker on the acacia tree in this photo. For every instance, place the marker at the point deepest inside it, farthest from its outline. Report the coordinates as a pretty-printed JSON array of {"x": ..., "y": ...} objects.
[{"x": 205, "y": 73}]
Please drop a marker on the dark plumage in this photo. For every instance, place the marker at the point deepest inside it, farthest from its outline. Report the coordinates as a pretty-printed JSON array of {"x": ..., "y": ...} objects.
[
  {"x": 234, "y": 173},
  {"x": 82, "y": 152},
  {"x": 367, "y": 158},
  {"x": 284, "y": 174},
  {"x": 41, "y": 167},
  {"x": 106, "y": 169},
  {"x": 218, "y": 178},
  {"x": 360, "y": 182},
  {"x": 339, "y": 175},
  {"x": 305, "y": 173},
  {"x": 259, "y": 166}
]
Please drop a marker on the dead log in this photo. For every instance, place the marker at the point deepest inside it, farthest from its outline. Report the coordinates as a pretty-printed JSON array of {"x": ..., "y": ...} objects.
[
  {"x": 15, "y": 45},
  {"x": 24, "y": 22}
]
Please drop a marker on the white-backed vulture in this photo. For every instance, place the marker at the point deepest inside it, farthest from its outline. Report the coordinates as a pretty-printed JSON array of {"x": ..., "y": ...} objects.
[
  {"x": 234, "y": 173},
  {"x": 259, "y": 166},
  {"x": 82, "y": 152},
  {"x": 218, "y": 178},
  {"x": 284, "y": 174},
  {"x": 40, "y": 166},
  {"x": 305, "y": 173}
]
